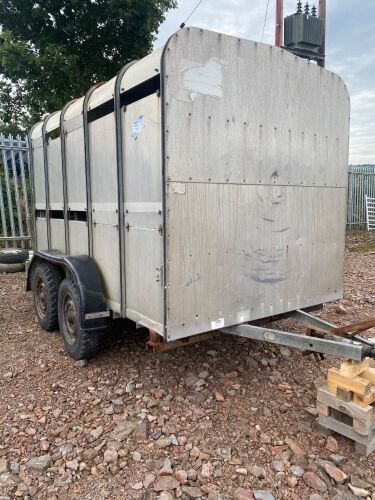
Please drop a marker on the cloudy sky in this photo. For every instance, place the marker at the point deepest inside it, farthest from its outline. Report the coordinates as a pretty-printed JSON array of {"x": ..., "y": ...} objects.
[{"x": 350, "y": 48}]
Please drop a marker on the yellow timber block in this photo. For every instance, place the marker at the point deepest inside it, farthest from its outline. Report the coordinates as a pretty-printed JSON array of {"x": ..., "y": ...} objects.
[
  {"x": 369, "y": 374},
  {"x": 364, "y": 400},
  {"x": 357, "y": 385},
  {"x": 351, "y": 369}
]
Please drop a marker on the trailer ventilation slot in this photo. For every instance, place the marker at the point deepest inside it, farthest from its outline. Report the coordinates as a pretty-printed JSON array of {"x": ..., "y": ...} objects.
[
  {"x": 77, "y": 215},
  {"x": 56, "y": 214}
]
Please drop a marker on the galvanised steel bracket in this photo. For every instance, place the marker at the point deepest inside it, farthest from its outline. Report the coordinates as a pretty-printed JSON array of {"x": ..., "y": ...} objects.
[{"x": 329, "y": 344}]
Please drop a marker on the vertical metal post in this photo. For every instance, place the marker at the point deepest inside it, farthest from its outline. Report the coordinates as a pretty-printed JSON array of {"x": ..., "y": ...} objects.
[
  {"x": 120, "y": 182},
  {"x": 279, "y": 23},
  {"x": 2, "y": 214},
  {"x": 86, "y": 135},
  {"x": 15, "y": 181},
  {"x": 8, "y": 190},
  {"x": 33, "y": 234},
  {"x": 46, "y": 180},
  {"x": 323, "y": 17},
  {"x": 63, "y": 134},
  {"x": 23, "y": 181}
]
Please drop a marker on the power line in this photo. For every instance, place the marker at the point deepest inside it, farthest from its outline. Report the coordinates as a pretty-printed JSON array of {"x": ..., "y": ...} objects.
[
  {"x": 182, "y": 25},
  {"x": 265, "y": 19}
]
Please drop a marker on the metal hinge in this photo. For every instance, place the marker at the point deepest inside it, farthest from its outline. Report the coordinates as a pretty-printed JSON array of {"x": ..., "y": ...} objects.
[{"x": 160, "y": 275}]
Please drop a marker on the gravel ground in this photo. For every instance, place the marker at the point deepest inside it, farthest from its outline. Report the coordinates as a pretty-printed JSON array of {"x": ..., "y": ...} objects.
[{"x": 227, "y": 418}]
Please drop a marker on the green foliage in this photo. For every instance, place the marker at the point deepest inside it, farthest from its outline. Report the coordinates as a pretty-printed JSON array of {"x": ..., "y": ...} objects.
[{"x": 54, "y": 50}]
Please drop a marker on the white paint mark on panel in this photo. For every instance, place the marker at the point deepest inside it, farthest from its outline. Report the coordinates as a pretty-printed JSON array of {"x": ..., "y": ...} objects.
[
  {"x": 137, "y": 126},
  {"x": 178, "y": 187},
  {"x": 205, "y": 80},
  {"x": 243, "y": 316},
  {"x": 217, "y": 323}
]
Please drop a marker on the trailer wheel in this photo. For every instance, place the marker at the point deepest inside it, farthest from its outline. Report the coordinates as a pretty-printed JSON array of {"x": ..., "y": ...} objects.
[
  {"x": 46, "y": 281},
  {"x": 78, "y": 343}
]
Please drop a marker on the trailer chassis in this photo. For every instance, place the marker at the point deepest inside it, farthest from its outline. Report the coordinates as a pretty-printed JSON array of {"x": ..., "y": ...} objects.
[{"x": 321, "y": 337}]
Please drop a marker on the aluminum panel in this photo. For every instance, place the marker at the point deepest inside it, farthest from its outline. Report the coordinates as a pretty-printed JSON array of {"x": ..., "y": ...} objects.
[
  {"x": 142, "y": 152},
  {"x": 37, "y": 131},
  {"x": 41, "y": 234},
  {"x": 276, "y": 119},
  {"x": 104, "y": 193},
  {"x": 55, "y": 179},
  {"x": 78, "y": 238},
  {"x": 75, "y": 109},
  {"x": 144, "y": 290},
  {"x": 39, "y": 177},
  {"x": 256, "y": 147},
  {"x": 75, "y": 170},
  {"x": 142, "y": 70},
  {"x": 102, "y": 94},
  {"x": 57, "y": 234},
  {"x": 53, "y": 121},
  {"x": 250, "y": 252},
  {"x": 143, "y": 216}
]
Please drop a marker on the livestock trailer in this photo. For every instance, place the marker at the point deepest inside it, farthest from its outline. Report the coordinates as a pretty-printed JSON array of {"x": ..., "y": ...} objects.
[{"x": 202, "y": 187}]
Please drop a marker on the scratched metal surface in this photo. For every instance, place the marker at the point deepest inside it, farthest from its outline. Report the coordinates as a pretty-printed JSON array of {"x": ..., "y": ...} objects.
[
  {"x": 103, "y": 166},
  {"x": 256, "y": 162},
  {"x": 143, "y": 216}
]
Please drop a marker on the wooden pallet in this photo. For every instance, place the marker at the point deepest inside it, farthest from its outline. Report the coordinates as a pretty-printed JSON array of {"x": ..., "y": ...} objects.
[{"x": 344, "y": 406}]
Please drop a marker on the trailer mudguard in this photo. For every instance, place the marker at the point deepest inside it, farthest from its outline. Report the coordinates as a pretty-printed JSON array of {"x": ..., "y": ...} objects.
[{"x": 94, "y": 311}]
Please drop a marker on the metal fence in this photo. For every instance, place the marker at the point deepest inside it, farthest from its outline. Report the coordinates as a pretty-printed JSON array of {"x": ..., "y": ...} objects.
[
  {"x": 361, "y": 184},
  {"x": 14, "y": 191}
]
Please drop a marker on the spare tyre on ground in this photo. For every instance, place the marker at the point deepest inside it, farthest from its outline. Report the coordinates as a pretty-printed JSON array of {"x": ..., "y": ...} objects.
[{"x": 12, "y": 260}]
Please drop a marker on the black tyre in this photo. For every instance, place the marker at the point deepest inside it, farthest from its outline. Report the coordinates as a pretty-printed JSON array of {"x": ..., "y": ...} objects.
[
  {"x": 12, "y": 268},
  {"x": 78, "y": 343},
  {"x": 46, "y": 280},
  {"x": 13, "y": 256}
]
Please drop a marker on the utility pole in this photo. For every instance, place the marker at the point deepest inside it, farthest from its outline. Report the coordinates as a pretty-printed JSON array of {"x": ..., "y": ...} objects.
[
  {"x": 323, "y": 15},
  {"x": 279, "y": 23}
]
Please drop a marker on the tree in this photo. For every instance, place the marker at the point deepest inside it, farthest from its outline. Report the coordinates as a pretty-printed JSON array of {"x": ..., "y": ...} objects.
[{"x": 54, "y": 50}]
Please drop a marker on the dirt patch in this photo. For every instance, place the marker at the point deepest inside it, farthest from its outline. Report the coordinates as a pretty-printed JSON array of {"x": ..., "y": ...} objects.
[
  {"x": 217, "y": 420},
  {"x": 360, "y": 241}
]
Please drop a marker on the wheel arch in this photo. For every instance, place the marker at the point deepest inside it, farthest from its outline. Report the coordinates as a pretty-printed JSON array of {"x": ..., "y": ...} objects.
[{"x": 94, "y": 312}]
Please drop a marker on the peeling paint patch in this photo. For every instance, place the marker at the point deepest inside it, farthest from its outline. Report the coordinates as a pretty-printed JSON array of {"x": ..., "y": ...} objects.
[
  {"x": 205, "y": 80},
  {"x": 217, "y": 323},
  {"x": 178, "y": 187},
  {"x": 243, "y": 316}
]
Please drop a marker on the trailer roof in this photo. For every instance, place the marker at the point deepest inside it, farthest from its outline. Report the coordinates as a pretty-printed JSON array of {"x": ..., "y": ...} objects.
[{"x": 140, "y": 71}]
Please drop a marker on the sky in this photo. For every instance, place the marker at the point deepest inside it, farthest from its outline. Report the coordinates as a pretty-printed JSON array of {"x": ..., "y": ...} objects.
[{"x": 350, "y": 48}]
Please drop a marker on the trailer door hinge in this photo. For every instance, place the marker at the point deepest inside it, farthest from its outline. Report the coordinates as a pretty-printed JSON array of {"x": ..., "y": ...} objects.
[
  {"x": 160, "y": 229},
  {"x": 160, "y": 275}
]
